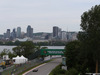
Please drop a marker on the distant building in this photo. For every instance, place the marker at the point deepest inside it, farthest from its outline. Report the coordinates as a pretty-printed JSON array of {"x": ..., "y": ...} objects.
[
  {"x": 4, "y": 35},
  {"x": 18, "y": 32},
  {"x": 59, "y": 33},
  {"x": 13, "y": 34},
  {"x": 71, "y": 36},
  {"x": 74, "y": 36},
  {"x": 23, "y": 35},
  {"x": 8, "y": 33},
  {"x": 55, "y": 31},
  {"x": 29, "y": 31},
  {"x": 63, "y": 36},
  {"x": 47, "y": 37}
]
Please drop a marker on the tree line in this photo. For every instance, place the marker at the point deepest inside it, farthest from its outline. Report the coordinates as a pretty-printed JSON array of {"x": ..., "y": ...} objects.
[
  {"x": 84, "y": 54},
  {"x": 50, "y": 43},
  {"x": 26, "y": 49}
]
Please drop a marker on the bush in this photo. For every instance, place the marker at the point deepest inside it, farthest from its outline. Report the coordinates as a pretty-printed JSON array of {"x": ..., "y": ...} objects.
[
  {"x": 72, "y": 71},
  {"x": 57, "y": 71}
]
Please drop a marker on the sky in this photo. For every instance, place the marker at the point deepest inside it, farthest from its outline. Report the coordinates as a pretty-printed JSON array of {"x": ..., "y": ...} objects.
[{"x": 42, "y": 15}]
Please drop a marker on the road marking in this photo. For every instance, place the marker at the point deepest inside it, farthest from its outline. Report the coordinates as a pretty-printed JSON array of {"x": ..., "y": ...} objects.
[{"x": 33, "y": 69}]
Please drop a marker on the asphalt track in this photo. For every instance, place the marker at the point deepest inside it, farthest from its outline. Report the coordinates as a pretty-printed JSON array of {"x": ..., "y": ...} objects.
[{"x": 46, "y": 68}]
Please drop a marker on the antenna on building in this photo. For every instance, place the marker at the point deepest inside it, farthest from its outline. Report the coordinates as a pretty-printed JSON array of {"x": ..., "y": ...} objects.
[{"x": 67, "y": 28}]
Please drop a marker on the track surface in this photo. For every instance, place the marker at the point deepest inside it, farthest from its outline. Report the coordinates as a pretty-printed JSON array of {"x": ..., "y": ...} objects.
[{"x": 47, "y": 68}]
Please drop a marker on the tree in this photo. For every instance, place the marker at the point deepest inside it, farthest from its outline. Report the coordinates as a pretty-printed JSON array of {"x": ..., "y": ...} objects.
[
  {"x": 72, "y": 71},
  {"x": 26, "y": 48},
  {"x": 17, "y": 50},
  {"x": 75, "y": 58},
  {"x": 7, "y": 52},
  {"x": 90, "y": 24},
  {"x": 17, "y": 43},
  {"x": 4, "y": 52},
  {"x": 72, "y": 52}
]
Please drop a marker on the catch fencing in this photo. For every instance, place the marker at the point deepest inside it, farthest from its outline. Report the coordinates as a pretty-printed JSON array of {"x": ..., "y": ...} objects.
[{"x": 16, "y": 69}]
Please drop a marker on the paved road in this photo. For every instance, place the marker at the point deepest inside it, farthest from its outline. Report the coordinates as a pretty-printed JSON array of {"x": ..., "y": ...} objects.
[{"x": 47, "y": 68}]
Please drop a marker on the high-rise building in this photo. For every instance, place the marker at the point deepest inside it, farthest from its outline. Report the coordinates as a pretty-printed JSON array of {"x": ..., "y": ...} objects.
[
  {"x": 13, "y": 34},
  {"x": 59, "y": 33},
  {"x": 29, "y": 31},
  {"x": 55, "y": 31},
  {"x": 18, "y": 32},
  {"x": 63, "y": 36},
  {"x": 8, "y": 33}
]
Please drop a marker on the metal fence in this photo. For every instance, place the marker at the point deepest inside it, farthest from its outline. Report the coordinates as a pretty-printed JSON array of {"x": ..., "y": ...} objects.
[{"x": 16, "y": 69}]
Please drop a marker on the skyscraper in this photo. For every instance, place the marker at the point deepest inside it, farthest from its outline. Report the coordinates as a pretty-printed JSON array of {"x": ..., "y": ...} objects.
[
  {"x": 55, "y": 31},
  {"x": 29, "y": 31},
  {"x": 18, "y": 32},
  {"x": 13, "y": 34},
  {"x": 59, "y": 33},
  {"x": 63, "y": 36},
  {"x": 8, "y": 33}
]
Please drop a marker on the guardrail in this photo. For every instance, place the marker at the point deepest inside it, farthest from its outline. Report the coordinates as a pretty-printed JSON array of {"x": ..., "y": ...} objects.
[{"x": 93, "y": 73}]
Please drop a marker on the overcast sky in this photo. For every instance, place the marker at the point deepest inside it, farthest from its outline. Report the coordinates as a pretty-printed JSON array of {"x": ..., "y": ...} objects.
[{"x": 42, "y": 15}]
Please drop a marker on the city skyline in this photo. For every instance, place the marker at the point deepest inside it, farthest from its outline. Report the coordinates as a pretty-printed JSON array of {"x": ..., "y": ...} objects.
[
  {"x": 20, "y": 30},
  {"x": 43, "y": 15},
  {"x": 57, "y": 34}
]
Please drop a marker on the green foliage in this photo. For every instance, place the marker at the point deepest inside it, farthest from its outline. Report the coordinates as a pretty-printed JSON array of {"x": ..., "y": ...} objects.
[
  {"x": 1, "y": 43},
  {"x": 11, "y": 55},
  {"x": 4, "y": 52},
  {"x": 72, "y": 53},
  {"x": 17, "y": 43},
  {"x": 90, "y": 24},
  {"x": 44, "y": 48},
  {"x": 58, "y": 71},
  {"x": 75, "y": 58},
  {"x": 9, "y": 43},
  {"x": 26, "y": 48},
  {"x": 17, "y": 50},
  {"x": 7, "y": 52},
  {"x": 50, "y": 43},
  {"x": 83, "y": 54},
  {"x": 72, "y": 71}
]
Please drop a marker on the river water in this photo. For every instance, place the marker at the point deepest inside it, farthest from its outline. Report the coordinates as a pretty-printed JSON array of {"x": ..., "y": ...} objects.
[{"x": 11, "y": 47}]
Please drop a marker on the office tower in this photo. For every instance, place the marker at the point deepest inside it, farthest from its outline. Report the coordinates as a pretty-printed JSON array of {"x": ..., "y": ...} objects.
[
  {"x": 64, "y": 36},
  {"x": 59, "y": 33},
  {"x": 18, "y": 32},
  {"x": 13, "y": 34},
  {"x": 55, "y": 31},
  {"x": 8, "y": 33},
  {"x": 29, "y": 31},
  {"x": 4, "y": 35}
]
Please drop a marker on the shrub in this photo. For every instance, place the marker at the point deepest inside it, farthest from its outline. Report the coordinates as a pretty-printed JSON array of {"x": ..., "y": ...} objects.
[
  {"x": 57, "y": 71},
  {"x": 72, "y": 71}
]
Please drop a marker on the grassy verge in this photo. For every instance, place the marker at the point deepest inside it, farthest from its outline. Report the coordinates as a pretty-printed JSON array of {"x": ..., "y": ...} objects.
[
  {"x": 30, "y": 69},
  {"x": 57, "y": 71}
]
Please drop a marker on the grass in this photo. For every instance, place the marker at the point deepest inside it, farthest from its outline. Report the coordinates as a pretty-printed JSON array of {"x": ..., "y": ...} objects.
[
  {"x": 30, "y": 68},
  {"x": 57, "y": 71}
]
